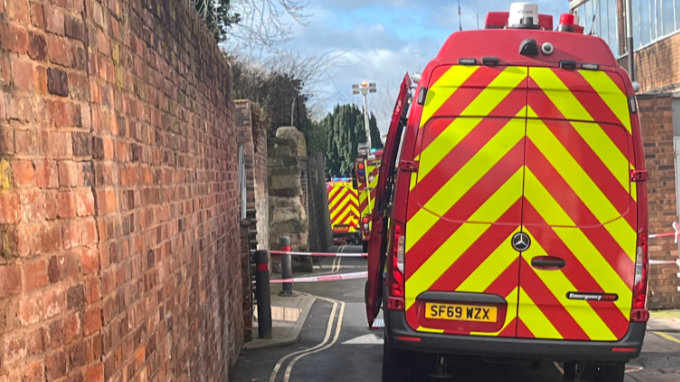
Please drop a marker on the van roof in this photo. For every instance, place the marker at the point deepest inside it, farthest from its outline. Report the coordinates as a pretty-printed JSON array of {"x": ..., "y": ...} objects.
[{"x": 504, "y": 44}]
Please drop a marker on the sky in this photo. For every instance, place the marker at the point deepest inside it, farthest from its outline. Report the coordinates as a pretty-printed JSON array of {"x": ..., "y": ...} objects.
[{"x": 380, "y": 40}]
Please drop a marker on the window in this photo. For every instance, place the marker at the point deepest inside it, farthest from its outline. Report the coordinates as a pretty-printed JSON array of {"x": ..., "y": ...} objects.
[
  {"x": 668, "y": 17},
  {"x": 636, "y": 22},
  {"x": 645, "y": 23},
  {"x": 599, "y": 18}
]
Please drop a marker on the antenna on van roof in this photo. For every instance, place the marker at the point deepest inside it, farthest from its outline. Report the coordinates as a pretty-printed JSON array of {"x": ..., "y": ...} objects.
[{"x": 460, "y": 22}]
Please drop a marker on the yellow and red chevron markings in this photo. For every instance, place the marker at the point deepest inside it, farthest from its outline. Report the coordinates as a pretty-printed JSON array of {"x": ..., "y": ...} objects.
[
  {"x": 367, "y": 189},
  {"x": 545, "y": 151},
  {"x": 343, "y": 206}
]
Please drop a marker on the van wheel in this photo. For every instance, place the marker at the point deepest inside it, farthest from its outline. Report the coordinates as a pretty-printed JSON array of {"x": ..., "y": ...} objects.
[
  {"x": 611, "y": 373},
  {"x": 395, "y": 366}
]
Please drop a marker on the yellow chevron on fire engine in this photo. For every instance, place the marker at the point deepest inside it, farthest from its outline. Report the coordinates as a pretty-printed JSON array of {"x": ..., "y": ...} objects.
[
  {"x": 442, "y": 90},
  {"x": 454, "y": 247},
  {"x": 538, "y": 324},
  {"x": 443, "y": 144},
  {"x": 340, "y": 205},
  {"x": 581, "y": 311},
  {"x": 496, "y": 91},
  {"x": 617, "y": 163},
  {"x": 428, "y": 330},
  {"x": 459, "y": 184},
  {"x": 579, "y": 181},
  {"x": 511, "y": 314},
  {"x": 559, "y": 94},
  {"x": 577, "y": 242},
  {"x": 491, "y": 268},
  {"x": 610, "y": 94}
]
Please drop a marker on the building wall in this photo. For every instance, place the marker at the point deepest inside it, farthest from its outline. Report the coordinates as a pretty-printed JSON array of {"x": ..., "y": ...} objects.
[
  {"x": 656, "y": 68},
  {"x": 656, "y": 117},
  {"x": 118, "y": 195}
]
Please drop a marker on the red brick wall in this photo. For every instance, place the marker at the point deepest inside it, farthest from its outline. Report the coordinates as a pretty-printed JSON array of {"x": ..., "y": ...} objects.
[
  {"x": 656, "y": 117},
  {"x": 118, "y": 200},
  {"x": 656, "y": 66}
]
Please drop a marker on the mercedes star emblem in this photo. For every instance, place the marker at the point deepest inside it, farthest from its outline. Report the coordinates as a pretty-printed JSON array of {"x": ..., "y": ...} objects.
[{"x": 521, "y": 241}]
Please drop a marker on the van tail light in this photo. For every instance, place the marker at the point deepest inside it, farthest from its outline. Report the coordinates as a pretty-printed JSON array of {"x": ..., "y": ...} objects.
[
  {"x": 395, "y": 300},
  {"x": 640, "y": 312},
  {"x": 365, "y": 222}
]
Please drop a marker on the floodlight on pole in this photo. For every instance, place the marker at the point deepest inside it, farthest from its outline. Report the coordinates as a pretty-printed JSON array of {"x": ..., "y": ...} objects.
[{"x": 364, "y": 88}]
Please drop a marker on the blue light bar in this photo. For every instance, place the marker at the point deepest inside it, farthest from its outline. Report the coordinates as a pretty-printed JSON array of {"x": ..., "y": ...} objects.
[{"x": 373, "y": 150}]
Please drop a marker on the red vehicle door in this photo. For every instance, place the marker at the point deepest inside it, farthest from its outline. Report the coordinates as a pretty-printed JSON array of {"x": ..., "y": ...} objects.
[{"x": 378, "y": 241}]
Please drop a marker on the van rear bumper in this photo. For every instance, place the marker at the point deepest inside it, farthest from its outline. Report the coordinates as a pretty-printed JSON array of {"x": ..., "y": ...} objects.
[{"x": 553, "y": 350}]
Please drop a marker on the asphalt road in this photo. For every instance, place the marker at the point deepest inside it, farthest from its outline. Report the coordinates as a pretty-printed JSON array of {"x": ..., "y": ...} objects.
[{"x": 329, "y": 352}]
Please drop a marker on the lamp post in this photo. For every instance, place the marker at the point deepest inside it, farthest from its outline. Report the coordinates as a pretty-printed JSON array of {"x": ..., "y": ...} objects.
[{"x": 364, "y": 88}]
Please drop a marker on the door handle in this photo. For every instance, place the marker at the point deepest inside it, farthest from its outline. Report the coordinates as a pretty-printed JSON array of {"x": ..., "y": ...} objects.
[{"x": 547, "y": 263}]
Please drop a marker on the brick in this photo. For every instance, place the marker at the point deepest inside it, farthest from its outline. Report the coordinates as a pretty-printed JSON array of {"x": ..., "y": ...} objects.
[
  {"x": 37, "y": 46},
  {"x": 35, "y": 342},
  {"x": 26, "y": 142},
  {"x": 22, "y": 74},
  {"x": 9, "y": 208},
  {"x": 74, "y": 28},
  {"x": 40, "y": 80},
  {"x": 20, "y": 108},
  {"x": 46, "y": 174},
  {"x": 93, "y": 320},
  {"x": 51, "y": 238},
  {"x": 5, "y": 71},
  {"x": 54, "y": 302},
  {"x": 34, "y": 274},
  {"x": 6, "y": 177},
  {"x": 6, "y": 133},
  {"x": 60, "y": 51},
  {"x": 34, "y": 372},
  {"x": 56, "y": 144},
  {"x": 13, "y": 38},
  {"x": 72, "y": 327},
  {"x": 54, "y": 19},
  {"x": 13, "y": 349},
  {"x": 10, "y": 280},
  {"x": 70, "y": 174},
  {"x": 77, "y": 355},
  {"x": 18, "y": 10},
  {"x": 79, "y": 89},
  {"x": 67, "y": 205},
  {"x": 37, "y": 15},
  {"x": 55, "y": 365},
  {"x": 51, "y": 205},
  {"x": 28, "y": 243},
  {"x": 57, "y": 82},
  {"x": 54, "y": 335},
  {"x": 23, "y": 173},
  {"x": 29, "y": 310},
  {"x": 85, "y": 202},
  {"x": 95, "y": 373},
  {"x": 89, "y": 261},
  {"x": 32, "y": 206},
  {"x": 81, "y": 144}
]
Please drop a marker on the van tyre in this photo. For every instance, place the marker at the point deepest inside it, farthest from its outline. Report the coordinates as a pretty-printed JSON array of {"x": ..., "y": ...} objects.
[
  {"x": 611, "y": 373},
  {"x": 395, "y": 366}
]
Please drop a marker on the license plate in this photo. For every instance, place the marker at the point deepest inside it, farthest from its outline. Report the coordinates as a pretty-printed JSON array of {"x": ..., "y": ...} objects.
[{"x": 461, "y": 312}]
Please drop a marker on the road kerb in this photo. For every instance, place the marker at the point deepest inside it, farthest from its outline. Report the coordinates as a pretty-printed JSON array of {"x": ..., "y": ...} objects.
[{"x": 291, "y": 339}]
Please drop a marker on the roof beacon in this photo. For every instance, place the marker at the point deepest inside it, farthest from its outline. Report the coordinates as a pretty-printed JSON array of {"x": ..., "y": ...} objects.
[
  {"x": 566, "y": 23},
  {"x": 523, "y": 16}
]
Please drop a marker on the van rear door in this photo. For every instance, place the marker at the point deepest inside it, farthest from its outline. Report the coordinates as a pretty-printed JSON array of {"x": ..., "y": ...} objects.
[
  {"x": 465, "y": 202},
  {"x": 580, "y": 208}
]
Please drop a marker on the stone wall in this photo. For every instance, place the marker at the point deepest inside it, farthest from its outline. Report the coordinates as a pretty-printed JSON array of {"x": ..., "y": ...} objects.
[
  {"x": 287, "y": 216},
  {"x": 118, "y": 195},
  {"x": 656, "y": 117}
]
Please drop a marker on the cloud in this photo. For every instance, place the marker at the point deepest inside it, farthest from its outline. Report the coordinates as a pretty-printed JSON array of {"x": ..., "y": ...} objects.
[{"x": 383, "y": 39}]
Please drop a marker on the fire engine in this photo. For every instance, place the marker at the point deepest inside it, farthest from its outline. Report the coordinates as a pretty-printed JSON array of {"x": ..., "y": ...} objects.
[
  {"x": 511, "y": 206},
  {"x": 343, "y": 207},
  {"x": 366, "y": 169}
]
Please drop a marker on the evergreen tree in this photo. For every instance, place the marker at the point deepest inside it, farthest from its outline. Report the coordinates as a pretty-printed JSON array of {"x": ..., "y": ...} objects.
[{"x": 344, "y": 129}]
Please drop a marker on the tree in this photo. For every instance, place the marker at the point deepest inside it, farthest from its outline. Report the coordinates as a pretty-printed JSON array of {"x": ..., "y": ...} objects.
[
  {"x": 218, "y": 16},
  {"x": 344, "y": 129}
]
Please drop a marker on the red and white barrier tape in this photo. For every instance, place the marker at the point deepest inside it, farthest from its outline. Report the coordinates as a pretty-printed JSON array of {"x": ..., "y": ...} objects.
[
  {"x": 662, "y": 262},
  {"x": 675, "y": 234},
  {"x": 319, "y": 254},
  {"x": 314, "y": 279}
]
